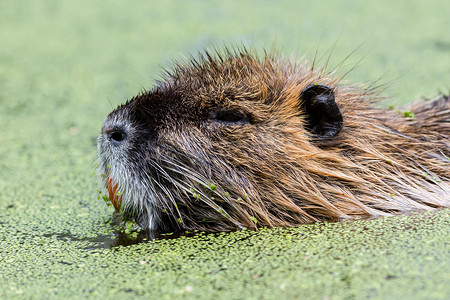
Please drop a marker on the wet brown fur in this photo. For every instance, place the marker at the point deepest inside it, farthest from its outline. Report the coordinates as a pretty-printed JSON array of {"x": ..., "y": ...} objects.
[{"x": 273, "y": 172}]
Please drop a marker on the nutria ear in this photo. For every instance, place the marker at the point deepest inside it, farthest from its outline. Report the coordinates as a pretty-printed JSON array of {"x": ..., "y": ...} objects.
[{"x": 324, "y": 118}]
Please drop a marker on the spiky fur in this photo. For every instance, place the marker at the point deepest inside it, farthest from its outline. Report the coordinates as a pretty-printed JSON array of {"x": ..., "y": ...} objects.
[{"x": 181, "y": 170}]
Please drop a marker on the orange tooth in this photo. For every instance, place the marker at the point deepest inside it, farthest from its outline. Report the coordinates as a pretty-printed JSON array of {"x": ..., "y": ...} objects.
[{"x": 113, "y": 191}]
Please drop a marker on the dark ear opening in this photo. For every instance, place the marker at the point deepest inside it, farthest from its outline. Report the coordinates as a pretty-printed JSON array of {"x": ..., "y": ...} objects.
[{"x": 323, "y": 116}]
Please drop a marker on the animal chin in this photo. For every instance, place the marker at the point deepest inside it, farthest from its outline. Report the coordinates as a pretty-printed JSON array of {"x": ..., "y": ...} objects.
[{"x": 114, "y": 194}]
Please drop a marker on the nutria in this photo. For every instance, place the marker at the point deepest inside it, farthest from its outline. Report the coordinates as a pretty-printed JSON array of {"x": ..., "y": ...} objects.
[{"x": 230, "y": 141}]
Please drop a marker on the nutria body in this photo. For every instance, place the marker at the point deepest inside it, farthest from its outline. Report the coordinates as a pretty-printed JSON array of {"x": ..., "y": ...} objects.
[{"x": 234, "y": 141}]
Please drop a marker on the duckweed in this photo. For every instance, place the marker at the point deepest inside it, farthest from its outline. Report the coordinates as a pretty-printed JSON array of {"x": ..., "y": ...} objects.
[{"x": 66, "y": 64}]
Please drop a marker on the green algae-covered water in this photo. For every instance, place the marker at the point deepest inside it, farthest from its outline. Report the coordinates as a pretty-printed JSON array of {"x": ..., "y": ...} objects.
[
  {"x": 404, "y": 257},
  {"x": 65, "y": 64}
]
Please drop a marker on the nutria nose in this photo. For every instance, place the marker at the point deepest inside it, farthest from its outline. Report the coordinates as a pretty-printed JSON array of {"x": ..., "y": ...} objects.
[{"x": 115, "y": 134}]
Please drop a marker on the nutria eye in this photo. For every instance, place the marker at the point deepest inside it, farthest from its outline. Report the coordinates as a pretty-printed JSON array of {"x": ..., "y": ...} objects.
[{"x": 230, "y": 116}]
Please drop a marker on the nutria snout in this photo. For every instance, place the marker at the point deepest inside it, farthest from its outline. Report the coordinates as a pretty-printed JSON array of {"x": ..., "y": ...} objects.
[{"x": 233, "y": 141}]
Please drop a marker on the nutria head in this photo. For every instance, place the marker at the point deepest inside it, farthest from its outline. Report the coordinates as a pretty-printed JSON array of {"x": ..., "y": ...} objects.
[{"x": 234, "y": 141}]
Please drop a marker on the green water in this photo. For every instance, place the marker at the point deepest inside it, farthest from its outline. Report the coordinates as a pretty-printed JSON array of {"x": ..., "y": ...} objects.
[{"x": 65, "y": 64}]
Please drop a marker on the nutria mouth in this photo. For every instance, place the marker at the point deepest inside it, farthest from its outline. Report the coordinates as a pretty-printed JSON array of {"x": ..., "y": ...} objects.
[{"x": 233, "y": 140}]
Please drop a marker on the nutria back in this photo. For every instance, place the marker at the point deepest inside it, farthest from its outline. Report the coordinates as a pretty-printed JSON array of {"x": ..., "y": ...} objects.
[{"x": 231, "y": 140}]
